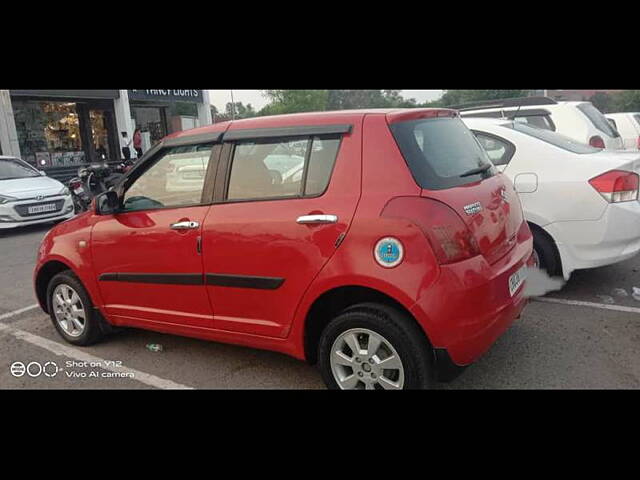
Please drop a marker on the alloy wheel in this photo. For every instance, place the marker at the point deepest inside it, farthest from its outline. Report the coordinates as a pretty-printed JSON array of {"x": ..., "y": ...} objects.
[
  {"x": 69, "y": 310},
  {"x": 362, "y": 359}
]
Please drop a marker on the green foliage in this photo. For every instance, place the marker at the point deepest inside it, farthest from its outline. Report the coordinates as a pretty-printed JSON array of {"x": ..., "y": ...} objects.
[
  {"x": 603, "y": 102},
  {"x": 626, "y": 101},
  {"x": 293, "y": 101},
  {"x": 457, "y": 97}
]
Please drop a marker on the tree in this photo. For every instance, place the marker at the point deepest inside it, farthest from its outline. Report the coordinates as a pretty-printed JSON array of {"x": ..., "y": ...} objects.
[
  {"x": 626, "y": 101},
  {"x": 602, "y": 101},
  {"x": 238, "y": 110},
  {"x": 293, "y": 101},
  {"x": 353, "y": 99},
  {"x": 456, "y": 97}
]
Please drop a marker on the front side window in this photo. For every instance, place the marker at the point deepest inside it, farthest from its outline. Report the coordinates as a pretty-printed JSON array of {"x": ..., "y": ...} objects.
[
  {"x": 176, "y": 179},
  {"x": 282, "y": 168},
  {"x": 13, "y": 168},
  {"x": 500, "y": 152}
]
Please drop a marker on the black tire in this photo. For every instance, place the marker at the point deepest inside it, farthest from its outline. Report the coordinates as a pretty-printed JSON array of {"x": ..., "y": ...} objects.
[
  {"x": 93, "y": 329},
  {"x": 547, "y": 254},
  {"x": 401, "y": 332}
]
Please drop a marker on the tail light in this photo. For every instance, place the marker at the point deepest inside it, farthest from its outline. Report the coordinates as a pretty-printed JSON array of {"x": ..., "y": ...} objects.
[
  {"x": 596, "y": 142},
  {"x": 450, "y": 238},
  {"x": 617, "y": 186}
]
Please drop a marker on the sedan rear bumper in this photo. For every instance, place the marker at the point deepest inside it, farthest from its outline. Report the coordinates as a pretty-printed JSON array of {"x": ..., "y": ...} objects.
[{"x": 612, "y": 238}]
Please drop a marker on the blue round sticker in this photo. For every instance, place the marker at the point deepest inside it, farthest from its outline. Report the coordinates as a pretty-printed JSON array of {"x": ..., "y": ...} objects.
[{"x": 389, "y": 252}]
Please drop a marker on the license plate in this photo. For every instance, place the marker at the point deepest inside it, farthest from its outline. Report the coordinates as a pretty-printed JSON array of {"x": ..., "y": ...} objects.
[
  {"x": 49, "y": 207},
  {"x": 78, "y": 190},
  {"x": 516, "y": 280}
]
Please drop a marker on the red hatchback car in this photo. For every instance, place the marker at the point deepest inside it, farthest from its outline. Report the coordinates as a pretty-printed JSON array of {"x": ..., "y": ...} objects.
[{"x": 381, "y": 244}]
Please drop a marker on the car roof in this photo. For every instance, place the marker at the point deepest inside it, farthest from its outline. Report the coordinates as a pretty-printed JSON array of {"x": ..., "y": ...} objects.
[
  {"x": 309, "y": 118},
  {"x": 486, "y": 121}
]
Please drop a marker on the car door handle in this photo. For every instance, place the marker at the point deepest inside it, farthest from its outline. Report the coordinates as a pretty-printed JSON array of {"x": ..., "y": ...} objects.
[
  {"x": 185, "y": 225},
  {"x": 317, "y": 219}
]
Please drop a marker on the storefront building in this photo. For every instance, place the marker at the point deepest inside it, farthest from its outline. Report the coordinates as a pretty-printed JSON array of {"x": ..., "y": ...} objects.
[{"x": 65, "y": 128}]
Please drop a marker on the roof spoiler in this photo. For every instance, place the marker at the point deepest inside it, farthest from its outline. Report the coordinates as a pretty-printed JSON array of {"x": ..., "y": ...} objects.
[{"x": 505, "y": 103}]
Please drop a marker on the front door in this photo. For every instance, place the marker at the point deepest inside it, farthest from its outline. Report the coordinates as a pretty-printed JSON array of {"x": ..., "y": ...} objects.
[
  {"x": 286, "y": 204},
  {"x": 147, "y": 258}
]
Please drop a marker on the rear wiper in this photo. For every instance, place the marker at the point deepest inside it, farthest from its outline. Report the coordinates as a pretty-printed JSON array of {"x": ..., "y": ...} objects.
[{"x": 475, "y": 171}]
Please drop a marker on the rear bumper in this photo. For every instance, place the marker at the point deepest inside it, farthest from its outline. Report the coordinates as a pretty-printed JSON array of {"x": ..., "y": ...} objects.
[
  {"x": 612, "y": 238},
  {"x": 470, "y": 306}
]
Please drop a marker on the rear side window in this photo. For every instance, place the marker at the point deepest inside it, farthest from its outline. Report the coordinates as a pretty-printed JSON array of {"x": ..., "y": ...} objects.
[
  {"x": 441, "y": 152},
  {"x": 282, "y": 168},
  {"x": 499, "y": 150},
  {"x": 539, "y": 121},
  {"x": 637, "y": 119},
  {"x": 598, "y": 119}
]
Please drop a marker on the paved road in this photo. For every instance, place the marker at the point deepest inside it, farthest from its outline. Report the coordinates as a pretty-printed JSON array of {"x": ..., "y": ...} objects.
[{"x": 553, "y": 345}]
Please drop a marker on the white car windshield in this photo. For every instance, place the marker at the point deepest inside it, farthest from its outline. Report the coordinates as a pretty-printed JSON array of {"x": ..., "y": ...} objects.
[
  {"x": 11, "y": 168},
  {"x": 553, "y": 138}
]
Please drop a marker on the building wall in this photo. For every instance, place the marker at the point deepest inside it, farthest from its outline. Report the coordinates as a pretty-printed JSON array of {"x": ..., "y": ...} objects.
[{"x": 8, "y": 136}]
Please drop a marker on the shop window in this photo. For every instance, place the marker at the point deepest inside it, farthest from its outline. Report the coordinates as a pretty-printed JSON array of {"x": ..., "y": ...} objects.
[{"x": 48, "y": 132}]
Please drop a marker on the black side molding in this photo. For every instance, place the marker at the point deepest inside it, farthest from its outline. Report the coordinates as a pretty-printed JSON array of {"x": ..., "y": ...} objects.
[
  {"x": 244, "y": 281},
  {"x": 158, "y": 278},
  {"x": 286, "y": 132},
  {"x": 220, "y": 280}
]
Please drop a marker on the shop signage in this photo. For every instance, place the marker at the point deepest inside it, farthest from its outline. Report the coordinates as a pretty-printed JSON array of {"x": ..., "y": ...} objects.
[{"x": 175, "y": 95}]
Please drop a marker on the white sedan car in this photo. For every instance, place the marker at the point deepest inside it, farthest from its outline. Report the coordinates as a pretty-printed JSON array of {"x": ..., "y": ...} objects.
[
  {"x": 28, "y": 197},
  {"x": 581, "y": 202}
]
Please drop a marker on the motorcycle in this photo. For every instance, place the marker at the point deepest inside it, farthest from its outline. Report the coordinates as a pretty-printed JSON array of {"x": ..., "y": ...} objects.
[{"x": 91, "y": 181}]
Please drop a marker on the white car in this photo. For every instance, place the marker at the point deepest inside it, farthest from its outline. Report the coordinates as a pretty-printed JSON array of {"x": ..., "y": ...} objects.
[
  {"x": 28, "y": 196},
  {"x": 578, "y": 120},
  {"x": 581, "y": 202},
  {"x": 628, "y": 125}
]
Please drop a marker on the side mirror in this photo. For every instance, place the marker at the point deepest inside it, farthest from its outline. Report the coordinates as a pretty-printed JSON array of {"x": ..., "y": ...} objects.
[
  {"x": 43, "y": 173},
  {"x": 107, "y": 203}
]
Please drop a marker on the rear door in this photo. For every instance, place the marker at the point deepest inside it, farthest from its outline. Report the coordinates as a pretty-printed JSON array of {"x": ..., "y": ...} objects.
[
  {"x": 443, "y": 155},
  {"x": 283, "y": 202}
]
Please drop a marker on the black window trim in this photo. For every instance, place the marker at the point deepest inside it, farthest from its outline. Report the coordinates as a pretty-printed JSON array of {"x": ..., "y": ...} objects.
[
  {"x": 511, "y": 148},
  {"x": 296, "y": 131},
  {"x": 226, "y": 163}
]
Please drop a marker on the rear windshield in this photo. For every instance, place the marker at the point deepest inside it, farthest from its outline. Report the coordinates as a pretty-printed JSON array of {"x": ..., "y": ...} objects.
[
  {"x": 441, "y": 152},
  {"x": 598, "y": 119},
  {"x": 14, "y": 168},
  {"x": 553, "y": 138}
]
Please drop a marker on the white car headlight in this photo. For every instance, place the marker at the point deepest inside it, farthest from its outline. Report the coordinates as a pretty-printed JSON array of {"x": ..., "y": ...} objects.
[
  {"x": 64, "y": 191},
  {"x": 6, "y": 199}
]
